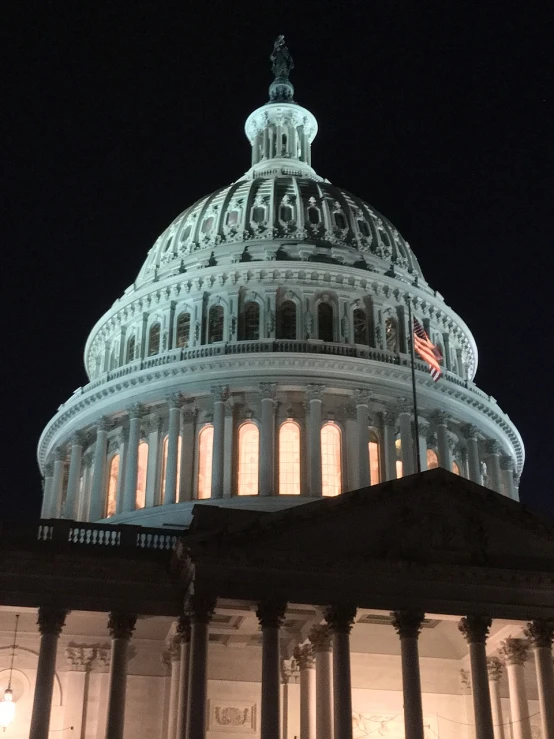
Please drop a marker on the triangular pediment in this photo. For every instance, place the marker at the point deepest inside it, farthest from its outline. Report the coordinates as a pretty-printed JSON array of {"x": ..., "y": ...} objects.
[{"x": 432, "y": 517}]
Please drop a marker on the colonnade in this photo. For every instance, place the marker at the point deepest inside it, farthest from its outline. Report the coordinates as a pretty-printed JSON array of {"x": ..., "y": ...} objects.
[
  {"x": 76, "y": 479},
  {"x": 325, "y": 673}
]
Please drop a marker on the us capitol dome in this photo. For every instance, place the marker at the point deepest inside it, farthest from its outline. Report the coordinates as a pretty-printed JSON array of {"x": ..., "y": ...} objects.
[{"x": 260, "y": 359}]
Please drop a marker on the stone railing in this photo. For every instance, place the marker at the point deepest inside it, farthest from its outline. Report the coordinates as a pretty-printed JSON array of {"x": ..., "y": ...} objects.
[{"x": 99, "y": 536}]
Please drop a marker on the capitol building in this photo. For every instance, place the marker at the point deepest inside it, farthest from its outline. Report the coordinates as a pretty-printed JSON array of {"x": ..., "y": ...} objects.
[{"x": 235, "y": 538}]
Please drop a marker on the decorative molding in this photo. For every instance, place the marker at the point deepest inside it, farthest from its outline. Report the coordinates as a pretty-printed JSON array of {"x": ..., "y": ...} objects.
[
  {"x": 136, "y": 410},
  {"x": 362, "y": 397},
  {"x": 492, "y": 446},
  {"x": 475, "y": 629},
  {"x": 314, "y": 392},
  {"x": 271, "y": 613},
  {"x": 340, "y": 618},
  {"x": 80, "y": 657},
  {"x": 540, "y": 632},
  {"x": 121, "y": 625},
  {"x": 51, "y": 620},
  {"x": 320, "y": 637},
  {"x": 304, "y": 656},
  {"x": 407, "y": 624},
  {"x": 495, "y": 668},
  {"x": 267, "y": 390},
  {"x": 514, "y": 651}
]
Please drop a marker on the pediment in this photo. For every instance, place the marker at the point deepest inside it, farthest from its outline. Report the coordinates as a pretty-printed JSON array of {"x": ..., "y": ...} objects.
[{"x": 432, "y": 517}]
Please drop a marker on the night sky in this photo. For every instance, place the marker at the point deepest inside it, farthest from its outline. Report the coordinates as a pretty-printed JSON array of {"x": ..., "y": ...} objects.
[{"x": 119, "y": 115}]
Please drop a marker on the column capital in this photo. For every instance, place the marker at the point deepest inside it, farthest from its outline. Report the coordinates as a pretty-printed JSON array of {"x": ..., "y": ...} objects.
[
  {"x": 183, "y": 628},
  {"x": 78, "y": 438},
  {"x": 494, "y": 668},
  {"x": 452, "y": 440},
  {"x": 200, "y": 608},
  {"x": 190, "y": 414},
  {"x": 304, "y": 655},
  {"x": 289, "y": 670},
  {"x": 104, "y": 423},
  {"x": 220, "y": 393},
  {"x": 174, "y": 400},
  {"x": 271, "y": 613},
  {"x": 441, "y": 418},
  {"x": 506, "y": 463},
  {"x": 60, "y": 454},
  {"x": 152, "y": 423},
  {"x": 407, "y": 624},
  {"x": 314, "y": 392},
  {"x": 80, "y": 657},
  {"x": 320, "y": 637},
  {"x": 540, "y": 632},
  {"x": 405, "y": 405},
  {"x": 136, "y": 410},
  {"x": 362, "y": 397},
  {"x": 121, "y": 625},
  {"x": 514, "y": 651},
  {"x": 423, "y": 425},
  {"x": 390, "y": 415},
  {"x": 470, "y": 431},
  {"x": 475, "y": 629},
  {"x": 49, "y": 469},
  {"x": 492, "y": 446},
  {"x": 51, "y": 620},
  {"x": 267, "y": 390},
  {"x": 340, "y": 618}
]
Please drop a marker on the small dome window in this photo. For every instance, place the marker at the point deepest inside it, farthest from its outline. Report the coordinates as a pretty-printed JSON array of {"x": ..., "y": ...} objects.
[
  {"x": 252, "y": 321},
  {"x": 340, "y": 221},
  {"x": 183, "y": 330},
  {"x": 360, "y": 326},
  {"x": 325, "y": 322},
  {"x": 286, "y": 213},
  {"x": 208, "y": 224},
  {"x": 215, "y": 324},
  {"x": 287, "y": 320},
  {"x": 186, "y": 232},
  {"x": 313, "y": 215},
  {"x": 391, "y": 333},
  {"x": 232, "y": 218},
  {"x": 364, "y": 228},
  {"x": 130, "y": 349},
  {"x": 258, "y": 214},
  {"x": 168, "y": 244},
  {"x": 154, "y": 340}
]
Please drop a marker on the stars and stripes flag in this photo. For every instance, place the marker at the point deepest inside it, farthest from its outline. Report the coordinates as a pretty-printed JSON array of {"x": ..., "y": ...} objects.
[{"x": 427, "y": 350}]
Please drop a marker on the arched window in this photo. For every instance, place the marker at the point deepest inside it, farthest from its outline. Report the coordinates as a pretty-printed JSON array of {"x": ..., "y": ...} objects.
[
  {"x": 325, "y": 321},
  {"x": 183, "y": 330},
  {"x": 364, "y": 227},
  {"x": 399, "y": 468},
  {"x": 154, "y": 339},
  {"x": 164, "y": 467},
  {"x": 384, "y": 238},
  {"x": 186, "y": 232},
  {"x": 130, "y": 349},
  {"x": 289, "y": 458},
  {"x": 313, "y": 215},
  {"x": 286, "y": 213},
  {"x": 374, "y": 464},
  {"x": 360, "y": 326},
  {"x": 113, "y": 478},
  {"x": 140, "y": 500},
  {"x": 113, "y": 358},
  {"x": 391, "y": 333},
  {"x": 287, "y": 320},
  {"x": 252, "y": 321},
  {"x": 215, "y": 324},
  {"x": 340, "y": 221},
  {"x": 258, "y": 214},
  {"x": 205, "y": 451},
  {"x": 331, "y": 459},
  {"x": 208, "y": 224},
  {"x": 249, "y": 452},
  {"x": 432, "y": 459},
  {"x": 456, "y": 468}
]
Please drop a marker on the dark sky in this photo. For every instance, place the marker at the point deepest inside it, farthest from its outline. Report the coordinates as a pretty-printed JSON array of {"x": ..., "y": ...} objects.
[{"x": 118, "y": 115}]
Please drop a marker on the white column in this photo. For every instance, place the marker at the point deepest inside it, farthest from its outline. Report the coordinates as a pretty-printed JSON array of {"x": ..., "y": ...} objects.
[
  {"x": 270, "y": 615},
  {"x": 121, "y": 627},
  {"x": 153, "y": 429},
  {"x": 74, "y": 476},
  {"x": 362, "y": 398},
  {"x": 220, "y": 394},
  {"x": 441, "y": 419},
  {"x": 515, "y": 653},
  {"x": 304, "y": 656},
  {"x": 540, "y": 633},
  {"x": 407, "y": 447},
  {"x": 174, "y": 429},
  {"x": 408, "y": 626},
  {"x": 175, "y": 672},
  {"x": 507, "y": 467},
  {"x": 84, "y": 502},
  {"x": 57, "y": 482},
  {"x": 423, "y": 430},
  {"x": 320, "y": 637},
  {"x": 286, "y": 673},
  {"x": 473, "y": 461},
  {"x": 47, "y": 490},
  {"x": 80, "y": 658},
  {"x": 495, "y": 667},
  {"x": 183, "y": 632},
  {"x": 389, "y": 439},
  {"x": 119, "y": 443},
  {"x": 267, "y": 439},
  {"x": 475, "y": 630},
  {"x": 200, "y": 615},
  {"x": 136, "y": 412},
  {"x": 228, "y": 445},
  {"x": 314, "y": 395},
  {"x": 187, "y": 453},
  {"x": 50, "y": 623},
  {"x": 493, "y": 450},
  {"x": 340, "y": 620},
  {"x": 98, "y": 491}
]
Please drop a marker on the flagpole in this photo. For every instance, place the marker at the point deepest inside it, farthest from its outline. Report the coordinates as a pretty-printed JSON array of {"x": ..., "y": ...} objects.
[{"x": 412, "y": 357}]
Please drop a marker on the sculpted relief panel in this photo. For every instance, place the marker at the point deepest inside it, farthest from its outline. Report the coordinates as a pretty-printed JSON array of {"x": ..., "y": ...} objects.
[{"x": 233, "y": 716}]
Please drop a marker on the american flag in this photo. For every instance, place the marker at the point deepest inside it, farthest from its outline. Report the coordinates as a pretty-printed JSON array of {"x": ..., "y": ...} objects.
[{"x": 427, "y": 350}]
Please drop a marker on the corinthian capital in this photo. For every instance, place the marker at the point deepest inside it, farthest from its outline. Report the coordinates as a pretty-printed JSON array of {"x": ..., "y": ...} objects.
[
  {"x": 407, "y": 624},
  {"x": 220, "y": 393},
  {"x": 475, "y": 628},
  {"x": 470, "y": 431},
  {"x": 78, "y": 438},
  {"x": 514, "y": 651},
  {"x": 271, "y": 613},
  {"x": 340, "y": 618},
  {"x": 51, "y": 620},
  {"x": 121, "y": 625},
  {"x": 362, "y": 397},
  {"x": 492, "y": 447},
  {"x": 506, "y": 463},
  {"x": 441, "y": 418},
  {"x": 60, "y": 454},
  {"x": 494, "y": 668},
  {"x": 314, "y": 392},
  {"x": 540, "y": 632},
  {"x": 136, "y": 410},
  {"x": 320, "y": 637},
  {"x": 304, "y": 655},
  {"x": 80, "y": 657},
  {"x": 174, "y": 400},
  {"x": 103, "y": 424},
  {"x": 267, "y": 390}
]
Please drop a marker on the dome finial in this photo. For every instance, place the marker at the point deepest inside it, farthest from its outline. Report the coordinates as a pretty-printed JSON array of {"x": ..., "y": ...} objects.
[{"x": 281, "y": 64}]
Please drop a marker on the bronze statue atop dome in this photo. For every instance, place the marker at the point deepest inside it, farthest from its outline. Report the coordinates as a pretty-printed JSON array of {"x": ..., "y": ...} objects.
[{"x": 281, "y": 60}]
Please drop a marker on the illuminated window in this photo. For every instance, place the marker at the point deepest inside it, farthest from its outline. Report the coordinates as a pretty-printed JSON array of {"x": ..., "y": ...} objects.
[
  {"x": 208, "y": 224},
  {"x": 113, "y": 477},
  {"x": 289, "y": 459},
  {"x": 456, "y": 468},
  {"x": 164, "y": 465},
  {"x": 249, "y": 451},
  {"x": 130, "y": 349},
  {"x": 331, "y": 467},
  {"x": 154, "y": 340},
  {"x": 391, "y": 332},
  {"x": 399, "y": 469},
  {"x": 360, "y": 326},
  {"x": 232, "y": 217},
  {"x": 374, "y": 466},
  {"x": 432, "y": 459},
  {"x": 205, "y": 451},
  {"x": 183, "y": 330},
  {"x": 140, "y": 499},
  {"x": 287, "y": 320},
  {"x": 252, "y": 321},
  {"x": 325, "y": 322},
  {"x": 215, "y": 324}
]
